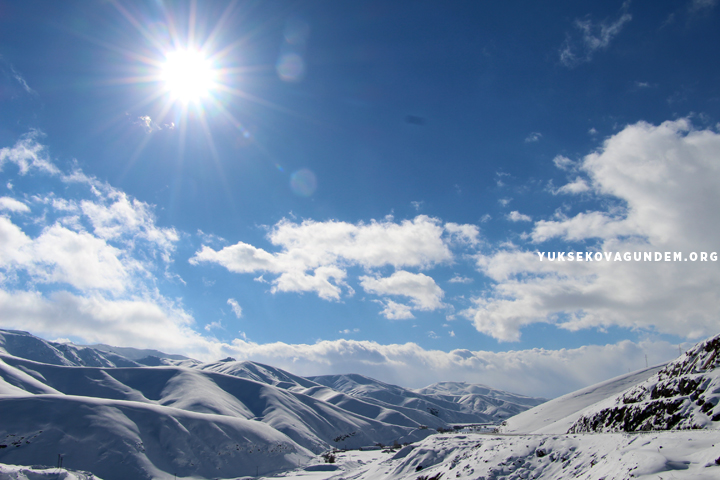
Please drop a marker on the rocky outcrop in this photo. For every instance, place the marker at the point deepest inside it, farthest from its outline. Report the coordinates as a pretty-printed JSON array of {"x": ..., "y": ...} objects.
[{"x": 683, "y": 395}]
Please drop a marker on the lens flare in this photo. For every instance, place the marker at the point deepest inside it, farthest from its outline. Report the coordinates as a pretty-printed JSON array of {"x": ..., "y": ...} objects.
[
  {"x": 303, "y": 182},
  {"x": 290, "y": 67}
]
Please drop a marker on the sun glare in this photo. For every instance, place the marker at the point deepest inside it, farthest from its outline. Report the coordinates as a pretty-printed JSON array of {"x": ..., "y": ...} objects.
[{"x": 188, "y": 75}]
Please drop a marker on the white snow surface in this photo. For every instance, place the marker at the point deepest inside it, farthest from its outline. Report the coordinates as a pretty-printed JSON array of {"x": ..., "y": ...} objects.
[
  {"x": 617, "y": 456},
  {"x": 41, "y": 472}
]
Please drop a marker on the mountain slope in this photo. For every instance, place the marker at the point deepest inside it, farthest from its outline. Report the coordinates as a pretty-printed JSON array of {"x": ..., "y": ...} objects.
[
  {"x": 682, "y": 395},
  {"x": 120, "y": 440},
  {"x": 312, "y": 423},
  {"x": 558, "y": 414}
]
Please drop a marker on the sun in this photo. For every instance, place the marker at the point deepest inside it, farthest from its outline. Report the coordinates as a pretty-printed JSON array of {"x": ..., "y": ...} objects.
[{"x": 189, "y": 75}]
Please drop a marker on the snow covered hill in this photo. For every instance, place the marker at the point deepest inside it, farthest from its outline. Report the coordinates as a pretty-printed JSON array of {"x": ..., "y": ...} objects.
[
  {"x": 448, "y": 402},
  {"x": 682, "y": 395},
  {"x": 311, "y": 423},
  {"x": 558, "y": 415}
]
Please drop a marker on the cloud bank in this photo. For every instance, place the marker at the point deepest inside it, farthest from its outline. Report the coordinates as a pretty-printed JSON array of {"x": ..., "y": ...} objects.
[
  {"x": 315, "y": 257},
  {"x": 662, "y": 182}
]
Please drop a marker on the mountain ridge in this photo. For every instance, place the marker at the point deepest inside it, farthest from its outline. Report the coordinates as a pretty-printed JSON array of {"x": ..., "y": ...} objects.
[{"x": 180, "y": 402}]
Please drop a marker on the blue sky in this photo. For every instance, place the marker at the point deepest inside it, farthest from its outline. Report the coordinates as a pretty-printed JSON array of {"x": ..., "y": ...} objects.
[{"x": 362, "y": 186}]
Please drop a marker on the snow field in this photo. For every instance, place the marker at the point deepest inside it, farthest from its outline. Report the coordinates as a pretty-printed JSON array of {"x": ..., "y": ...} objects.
[{"x": 657, "y": 455}]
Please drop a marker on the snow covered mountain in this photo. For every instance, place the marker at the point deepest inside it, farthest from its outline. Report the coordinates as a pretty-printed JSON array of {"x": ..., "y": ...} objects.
[
  {"x": 448, "y": 402},
  {"x": 106, "y": 411},
  {"x": 24, "y": 345}
]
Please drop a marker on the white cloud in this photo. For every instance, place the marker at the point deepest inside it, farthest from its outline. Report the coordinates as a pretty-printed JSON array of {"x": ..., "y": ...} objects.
[
  {"x": 212, "y": 239},
  {"x": 460, "y": 279},
  {"x": 422, "y": 290},
  {"x": 13, "y": 244},
  {"x": 347, "y": 331},
  {"x": 12, "y": 205},
  {"x": 592, "y": 37},
  {"x": 533, "y": 137},
  {"x": 516, "y": 216},
  {"x": 65, "y": 252},
  {"x": 148, "y": 124},
  {"x": 22, "y": 81},
  {"x": 504, "y": 201},
  {"x": 236, "y": 308},
  {"x": 59, "y": 255},
  {"x": 314, "y": 256},
  {"x": 582, "y": 226},
  {"x": 666, "y": 176},
  {"x": 238, "y": 258},
  {"x": 395, "y": 311},
  {"x": 117, "y": 216},
  {"x": 564, "y": 163},
  {"x": 79, "y": 259},
  {"x": 27, "y": 154},
  {"x": 578, "y": 185},
  {"x": 214, "y": 325},
  {"x": 467, "y": 234}
]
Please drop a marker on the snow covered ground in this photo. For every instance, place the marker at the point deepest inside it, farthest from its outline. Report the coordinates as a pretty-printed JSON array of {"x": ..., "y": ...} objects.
[
  {"x": 15, "y": 472},
  {"x": 656, "y": 455},
  {"x": 619, "y": 456}
]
